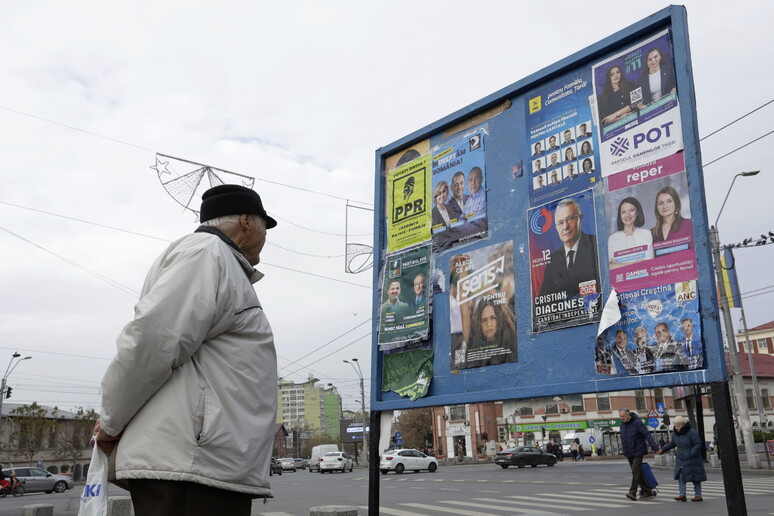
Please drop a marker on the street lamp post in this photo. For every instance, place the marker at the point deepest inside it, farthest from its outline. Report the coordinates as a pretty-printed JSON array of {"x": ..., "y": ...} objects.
[
  {"x": 737, "y": 380},
  {"x": 8, "y": 370},
  {"x": 362, "y": 403}
]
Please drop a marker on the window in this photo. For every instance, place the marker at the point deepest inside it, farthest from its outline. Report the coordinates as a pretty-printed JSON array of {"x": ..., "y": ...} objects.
[
  {"x": 457, "y": 412},
  {"x": 678, "y": 402},
  {"x": 552, "y": 409},
  {"x": 766, "y": 400},
  {"x": 658, "y": 394},
  {"x": 603, "y": 402},
  {"x": 750, "y": 398},
  {"x": 762, "y": 345},
  {"x": 525, "y": 411},
  {"x": 640, "y": 399}
]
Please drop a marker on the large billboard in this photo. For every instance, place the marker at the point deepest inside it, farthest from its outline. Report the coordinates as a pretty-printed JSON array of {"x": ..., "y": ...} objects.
[{"x": 552, "y": 236}]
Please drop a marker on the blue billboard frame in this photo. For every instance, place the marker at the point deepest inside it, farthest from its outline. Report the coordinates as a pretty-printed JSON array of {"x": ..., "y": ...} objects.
[{"x": 548, "y": 362}]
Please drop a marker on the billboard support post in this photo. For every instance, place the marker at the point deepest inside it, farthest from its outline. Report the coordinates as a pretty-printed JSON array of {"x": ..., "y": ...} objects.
[
  {"x": 373, "y": 463},
  {"x": 727, "y": 449}
]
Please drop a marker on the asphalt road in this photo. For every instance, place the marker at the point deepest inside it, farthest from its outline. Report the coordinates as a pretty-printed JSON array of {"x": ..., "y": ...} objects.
[{"x": 591, "y": 487}]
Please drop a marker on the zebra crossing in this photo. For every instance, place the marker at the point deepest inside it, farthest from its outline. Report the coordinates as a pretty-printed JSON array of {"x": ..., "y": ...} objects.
[{"x": 569, "y": 501}]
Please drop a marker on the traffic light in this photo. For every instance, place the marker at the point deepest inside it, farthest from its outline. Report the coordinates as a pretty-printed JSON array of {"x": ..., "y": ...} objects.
[
  {"x": 484, "y": 436},
  {"x": 544, "y": 432},
  {"x": 8, "y": 392},
  {"x": 666, "y": 419}
]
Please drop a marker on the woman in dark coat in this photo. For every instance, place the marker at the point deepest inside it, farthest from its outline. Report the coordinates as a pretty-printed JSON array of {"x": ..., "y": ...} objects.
[{"x": 689, "y": 464}]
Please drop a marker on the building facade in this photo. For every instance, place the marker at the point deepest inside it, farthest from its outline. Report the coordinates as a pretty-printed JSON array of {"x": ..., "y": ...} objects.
[{"x": 309, "y": 408}]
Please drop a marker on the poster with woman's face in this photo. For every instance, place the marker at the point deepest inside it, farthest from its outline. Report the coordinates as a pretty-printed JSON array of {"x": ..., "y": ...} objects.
[
  {"x": 650, "y": 233},
  {"x": 482, "y": 307},
  {"x": 635, "y": 102}
]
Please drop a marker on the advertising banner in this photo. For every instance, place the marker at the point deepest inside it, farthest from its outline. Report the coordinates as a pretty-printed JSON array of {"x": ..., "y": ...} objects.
[
  {"x": 659, "y": 331},
  {"x": 459, "y": 213},
  {"x": 564, "y": 268},
  {"x": 408, "y": 204},
  {"x": 482, "y": 307},
  {"x": 560, "y": 142},
  {"x": 649, "y": 225},
  {"x": 405, "y": 309},
  {"x": 636, "y": 103}
]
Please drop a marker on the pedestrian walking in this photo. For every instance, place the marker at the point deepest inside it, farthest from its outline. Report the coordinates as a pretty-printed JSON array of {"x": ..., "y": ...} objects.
[
  {"x": 635, "y": 438},
  {"x": 189, "y": 401},
  {"x": 559, "y": 452},
  {"x": 689, "y": 464},
  {"x": 580, "y": 452},
  {"x": 574, "y": 450}
]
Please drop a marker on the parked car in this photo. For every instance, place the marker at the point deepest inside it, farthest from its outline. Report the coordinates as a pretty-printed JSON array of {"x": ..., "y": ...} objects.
[
  {"x": 523, "y": 455},
  {"x": 336, "y": 461},
  {"x": 317, "y": 455},
  {"x": 275, "y": 467},
  {"x": 300, "y": 463},
  {"x": 39, "y": 480},
  {"x": 402, "y": 459},
  {"x": 288, "y": 464}
]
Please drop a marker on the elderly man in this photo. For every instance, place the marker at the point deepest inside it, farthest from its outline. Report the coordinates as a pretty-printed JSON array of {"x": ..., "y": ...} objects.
[
  {"x": 189, "y": 401},
  {"x": 576, "y": 261},
  {"x": 475, "y": 207},
  {"x": 668, "y": 353},
  {"x": 394, "y": 310},
  {"x": 635, "y": 438}
]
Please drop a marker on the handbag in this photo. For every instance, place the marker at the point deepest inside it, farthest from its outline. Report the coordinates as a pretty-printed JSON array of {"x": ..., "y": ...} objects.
[{"x": 94, "y": 497}]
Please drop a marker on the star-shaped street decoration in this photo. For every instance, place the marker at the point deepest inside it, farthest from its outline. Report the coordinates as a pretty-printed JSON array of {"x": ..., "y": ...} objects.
[{"x": 163, "y": 169}]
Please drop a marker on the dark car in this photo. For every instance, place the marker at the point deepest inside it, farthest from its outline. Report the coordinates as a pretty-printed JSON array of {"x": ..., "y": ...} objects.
[
  {"x": 276, "y": 467},
  {"x": 524, "y": 455}
]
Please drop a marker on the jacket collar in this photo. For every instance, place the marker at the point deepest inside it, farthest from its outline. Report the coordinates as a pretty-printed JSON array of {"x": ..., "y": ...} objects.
[{"x": 251, "y": 272}]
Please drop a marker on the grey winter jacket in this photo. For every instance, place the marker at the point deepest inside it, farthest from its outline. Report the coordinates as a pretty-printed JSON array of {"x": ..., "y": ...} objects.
[
  {"x": 688, "y": 457},
  {"x": 193, "y": 386}
]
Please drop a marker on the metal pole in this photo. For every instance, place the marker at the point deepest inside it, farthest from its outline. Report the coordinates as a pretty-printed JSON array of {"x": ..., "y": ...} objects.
[
  {"x": 362, "y": 405},
  {"x": 373, "y": 467},
  {"x": 756, "y": 387},
  {"x": 736, "y": 371},
  {"x": 727, "y": 451}
]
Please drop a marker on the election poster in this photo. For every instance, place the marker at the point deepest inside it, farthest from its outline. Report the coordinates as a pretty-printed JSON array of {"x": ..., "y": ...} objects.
[
  {"x": 564, "y": 268},
  {"x": 459, "y": 212},
  {"x": 405, "y": 309},
  {"x": 560, "y": 144},
  {"x": 407, "y": 154},
  {"x": 482, "y": 307},
  {"x": 408, "y": 204},
  {"x": 650, "y": 234},
  {"x": 659, "y": 331},
  {"x": 635, "y": 98}
]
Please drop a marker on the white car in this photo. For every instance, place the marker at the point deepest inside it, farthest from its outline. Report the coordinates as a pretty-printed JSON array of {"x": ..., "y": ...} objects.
[
  {"x": 336, "y": 461},
  {"x": 402, "y": 460}
]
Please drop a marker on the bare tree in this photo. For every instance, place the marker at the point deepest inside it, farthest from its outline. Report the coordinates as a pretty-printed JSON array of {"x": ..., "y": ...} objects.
[
  {"x": 415, "y": 425},
  {"x": 33, "y": 423},
  {"x": 73, "y": 436}
]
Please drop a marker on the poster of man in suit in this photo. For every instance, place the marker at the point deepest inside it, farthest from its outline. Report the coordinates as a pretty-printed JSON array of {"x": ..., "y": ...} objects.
[{"x": 564, "y": 265}]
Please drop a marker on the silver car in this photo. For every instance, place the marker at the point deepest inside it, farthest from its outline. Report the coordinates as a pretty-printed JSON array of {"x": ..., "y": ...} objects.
[{"x": 38, "y": 479}]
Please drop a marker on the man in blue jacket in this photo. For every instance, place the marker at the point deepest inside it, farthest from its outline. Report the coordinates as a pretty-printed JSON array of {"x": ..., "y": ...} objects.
[{"x": 634, "y": 440}]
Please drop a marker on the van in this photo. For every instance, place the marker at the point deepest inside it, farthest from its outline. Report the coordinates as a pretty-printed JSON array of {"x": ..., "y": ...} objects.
[
  {"x": 317, "y": 454},
  {"x": 584, "y": 439}
]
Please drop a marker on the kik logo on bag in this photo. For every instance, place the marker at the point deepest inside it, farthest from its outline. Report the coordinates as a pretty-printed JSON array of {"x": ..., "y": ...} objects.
[{"x": 91, "y": 491}]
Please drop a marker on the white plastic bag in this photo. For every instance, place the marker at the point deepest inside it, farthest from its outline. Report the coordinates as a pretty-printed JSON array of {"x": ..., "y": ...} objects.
[{"x": 94, "y": 497}]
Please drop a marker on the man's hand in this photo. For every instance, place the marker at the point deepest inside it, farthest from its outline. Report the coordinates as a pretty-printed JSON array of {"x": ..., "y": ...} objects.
[{"x": 105, "y": 441}]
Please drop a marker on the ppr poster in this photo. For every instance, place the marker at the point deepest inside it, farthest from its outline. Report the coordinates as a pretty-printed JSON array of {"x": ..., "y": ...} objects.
[
  {"x": 408, "y": 204},
  {"x": 564, "y": 264},
  {"x": 404, "y": 315},
  {"x": 650, "y": 234},
  {"x": 659, "y": 330},
  {"x": 635, "y": 98},
  {"x": 561, "y": 147}
]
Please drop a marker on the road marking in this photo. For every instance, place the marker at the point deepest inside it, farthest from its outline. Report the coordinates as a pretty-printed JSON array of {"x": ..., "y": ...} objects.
[
  {"x": 276, "y": 514},
  {"x": 529, "y": 500},
  {"x": 388, "y": 510},
  {"x": 579, "y": 502},
  {"x": 446, "y": 510},
  {"x": 495, "y": 507}
]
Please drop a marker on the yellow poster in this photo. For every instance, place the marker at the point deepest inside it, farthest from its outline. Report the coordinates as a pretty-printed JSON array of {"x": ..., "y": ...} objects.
[{"x": 408, "y": 204}]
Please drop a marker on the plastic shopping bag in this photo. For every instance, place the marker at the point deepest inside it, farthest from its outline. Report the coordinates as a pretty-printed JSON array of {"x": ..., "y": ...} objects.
[{"x": 94, "y": 497}]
